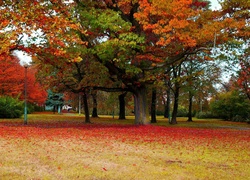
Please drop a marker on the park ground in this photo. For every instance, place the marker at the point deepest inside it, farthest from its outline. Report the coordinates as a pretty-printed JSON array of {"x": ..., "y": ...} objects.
[{"x": 56, "y": 146}]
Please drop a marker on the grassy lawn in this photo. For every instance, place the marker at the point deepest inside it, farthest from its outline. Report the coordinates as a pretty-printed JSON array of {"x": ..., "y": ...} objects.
[{"x": 63, "y": 147}]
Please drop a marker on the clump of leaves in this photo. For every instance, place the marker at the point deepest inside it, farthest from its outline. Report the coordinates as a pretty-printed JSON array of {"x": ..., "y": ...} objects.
[{"x": 10, "y": 107}]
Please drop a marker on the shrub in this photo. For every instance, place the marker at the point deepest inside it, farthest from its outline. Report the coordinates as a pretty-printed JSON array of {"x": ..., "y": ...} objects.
[
  {"x": 30, "y": 108},
  {"x": 160, "y": 112},
  {"x": 38, "y": 108},
  {"x": 238, "y": 118},
  {"x": 205, "y": 115},
  {"x": 182, "y": 112},
  {"x": 231, "y": 106},
  {"x": 10, "y": 107}
]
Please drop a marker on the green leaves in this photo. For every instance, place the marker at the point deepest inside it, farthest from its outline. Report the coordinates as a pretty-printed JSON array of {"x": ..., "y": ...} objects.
[
  {"x": 112, "y": 21},
  {"x": 132, "y": 39},
  {"x": 10, "y": 107},
  {"x": 231, "y": 104},
  {"x": 54, "y": 99}
]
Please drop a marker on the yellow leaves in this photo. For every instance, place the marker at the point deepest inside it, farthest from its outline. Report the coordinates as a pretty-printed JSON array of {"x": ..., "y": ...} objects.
[
  {"x": 160, "y": 5},
  {"x": 7, "y": 41},
  {"x": 75, "y": 26},
  {"x": 59, "y": 52},
  {"x": 77, "y": 59}
]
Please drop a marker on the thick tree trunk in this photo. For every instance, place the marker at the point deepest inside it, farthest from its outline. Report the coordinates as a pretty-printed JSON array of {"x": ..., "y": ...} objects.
[
  {"x": 190, "y": 107},
  {"x": 122, "y": 105},
  {"x": 175, "y": 108},
  {"x": 153, "y": 106},
  {"x": 86, "y": 107},
  {"x": 94, "y": 98},
  {"x": 141, "y": 108},
  {"x": 167, "y": 105}
]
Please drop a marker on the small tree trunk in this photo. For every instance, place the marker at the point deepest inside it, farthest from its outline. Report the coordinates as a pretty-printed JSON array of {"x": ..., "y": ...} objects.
[
  {"x": 54, "y": 109},
  {"x": 94, "y": 98},
  {"x": 141, "y": 108},
  {"x": 153, "y": 106},
  {"x": 59, "y": 109},
  {"x": 190, "y": 107},
  {"x": 86, "y": 108},
  {"x": 122, "y": 105},
  {"x": 176, "y": 104}
]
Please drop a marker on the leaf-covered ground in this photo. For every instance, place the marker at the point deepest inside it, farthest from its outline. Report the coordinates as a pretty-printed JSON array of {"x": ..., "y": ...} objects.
[{"x": 63, "y": 147}]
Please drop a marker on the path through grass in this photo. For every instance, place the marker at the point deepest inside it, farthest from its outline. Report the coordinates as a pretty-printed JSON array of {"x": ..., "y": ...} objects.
[{"x": 63, "y": 147}]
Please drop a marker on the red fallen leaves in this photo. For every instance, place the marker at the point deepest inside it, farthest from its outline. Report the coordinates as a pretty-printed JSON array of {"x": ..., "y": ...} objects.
[
  {"x": 104, "y": 149},
  {"x": 104, "y": 169},
  {"x": 123, "y": 133}
]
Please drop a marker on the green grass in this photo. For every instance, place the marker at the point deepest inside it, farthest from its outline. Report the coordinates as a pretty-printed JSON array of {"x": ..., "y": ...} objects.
[{"x": 55, "y": 146}]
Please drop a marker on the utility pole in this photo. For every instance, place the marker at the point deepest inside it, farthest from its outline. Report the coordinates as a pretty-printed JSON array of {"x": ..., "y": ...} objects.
[{"x": 25, "y": 95}]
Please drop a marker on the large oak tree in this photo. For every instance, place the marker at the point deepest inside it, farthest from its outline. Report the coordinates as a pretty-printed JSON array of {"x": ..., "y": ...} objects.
[{"x": 129, "y": 38}]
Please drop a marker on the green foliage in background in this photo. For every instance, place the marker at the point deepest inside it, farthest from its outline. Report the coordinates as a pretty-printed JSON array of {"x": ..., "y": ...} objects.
[
  {"x": 231, "y": 106},
  {"x": 10, "y": 107}
]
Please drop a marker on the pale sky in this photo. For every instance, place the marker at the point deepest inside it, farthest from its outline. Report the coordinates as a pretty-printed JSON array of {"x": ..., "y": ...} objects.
[
  {"x": 23, "y": 57},
  {"x": 215, "y": 5}
]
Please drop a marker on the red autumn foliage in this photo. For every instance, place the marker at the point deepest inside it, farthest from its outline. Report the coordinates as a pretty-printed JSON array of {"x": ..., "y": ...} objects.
[
  {"x": 36, "y": 93},
  {"x": 12, "y": 76},
  {"x": 199, "y": 4}
]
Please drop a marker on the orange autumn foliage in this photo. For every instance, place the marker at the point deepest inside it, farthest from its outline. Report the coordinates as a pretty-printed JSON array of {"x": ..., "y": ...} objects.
[
  {"x": 185, "y": 24},
  {"x": 171, "y": 20}
]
